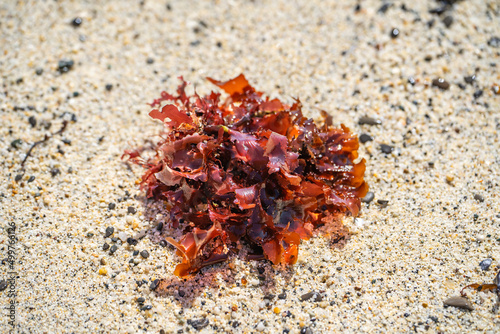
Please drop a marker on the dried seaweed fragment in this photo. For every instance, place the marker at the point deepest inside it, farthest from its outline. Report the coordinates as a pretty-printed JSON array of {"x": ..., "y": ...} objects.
[{"x": 248, "y": 169}]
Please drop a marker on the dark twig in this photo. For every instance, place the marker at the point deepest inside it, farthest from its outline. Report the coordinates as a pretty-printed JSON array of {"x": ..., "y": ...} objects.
[{"x": 47, "y": 137}]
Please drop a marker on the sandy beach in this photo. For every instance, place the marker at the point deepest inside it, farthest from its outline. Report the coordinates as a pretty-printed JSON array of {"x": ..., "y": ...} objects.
[{"x": 419, "y": 80}]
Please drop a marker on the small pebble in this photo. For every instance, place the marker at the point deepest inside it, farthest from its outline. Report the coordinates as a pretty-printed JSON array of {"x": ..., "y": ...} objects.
[
  {"x": 131, "y": 241},
  {"x": 109, "y": 231},
  {"x": 150, "y": 60},
  {"x": 131, "y": 210},
  {"x": 39, "y": 71},
  {"x": 260, "y": 326},
  {"x": 141, "y": 300},
  {"x": 470, "y": 79},
  {"x": 3, "y": 285},
  {"x": 459, "y": 302},
  {"x": 103, "y": 261},
  {"x": 448, "y": 21},
  {"x": 479, "y": 197},
  {"x": 494, "y": 42},
  {"x": 365, "y": 138},
  {"x": 387, "y": 149},
  {"x": 306, "y": 330},
  {"x": 32, "y": 121},
  {"x": 198, "y": 324},
  {"x": 103, "y": 271},
  {"x": 65, "y": 65},
  {"x": 109, "y": 87},
  {"x": 76, "y": 22},
  {"x": 31, "y": 179},
  {"x": 182, "y": 293},
  {"x": 18, "y": 177},
  {"x": 383, "y": 9},
  {"x": 485, "y": 264},
  {"x": 111, "y": 206},
  {"x": 135, "y": 253},
  {"x": 369, "y": 121},
  {"x": 154, "y": 284},
  {"x": 394, "y": 32},
  {"x": 478, "y": 94},
  {"x": 163, "y": 243},
  {"x": 441, "y": 83},
  {"x": 113, "y": 249},
  {"x": 282, "y": 295},
  {"x": 146, "y": 308},
  {"x": 316, "y": 297},
  {"x": 368, "y": 197},
  {"x": 105, "y": 246},
  {"x": 382, "y": 202},
  {"x": 411, "y": 81},
  {"x": 123, "y": 236},
  {"x": 145, "y": 254}
]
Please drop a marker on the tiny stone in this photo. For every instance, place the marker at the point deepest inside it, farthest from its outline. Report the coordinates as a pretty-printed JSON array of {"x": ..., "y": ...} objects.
[
  {"x": 123, "y": 236},
  {"x": 312, "y": 294},
  {"x": 365, "y": 138},
  {"x": 368, "y": 197},
  {"x": 163, "y": 243},
  {"x": 382, "y": 202},
  {"x": 145, "y": 254},
  {"x": 485, "y": 264},
  {"x": 131, "y": 241},
  {"x": 31, "y": 179},
  {"x": 54, "y": 172},
  {"x": 470, "y": 79},
  {"x": 135, "y": 253},
  {"x": 131, "y": 210},
  {"x": 109, "y": 231},
  {"x": 369, "y": 121},
  {"x": 441, "y": 83},
  {"x": 18, "y": 177},
  {"x": 198, "y": 323},
  {"x": 32, "y": 121},
  {"x": 459, "y": 302},
  {"x": 109, "y": 87},
  {"x": 39, "y": 71},
  {"x": 3, "y": 285},
  {"x": 282, "y": 295},
  {"x": 154, "y": 284},
  {"x": 478, "y": 94},
  {"x": 387, "y": 149},
  {"x": 306, "y": 330},
  {"x": 146, "y": 308},
  {"x": 394, "y": 32},
  {"x": 16, "y": 143},
  {"x": 77, "y": 21},
  {"x": 141, "y": 300},
  {"x": 479, "y": 197},
  {"x": 150, "y": 60},
  {"x": 448, "y": 21},
  {"x": 65, "y": 65},
  {"x": 113, "y": 249},
  {"x": 384, "y": 8},
  {"x": 494, "y": 42},
  {"x": 182, "y": 293},
  {"x": 411, "y": 81},
  {"x": 103, "y": 261},
  {"x": 111, "y": 206},
  {"x": 105, "y": 246}
]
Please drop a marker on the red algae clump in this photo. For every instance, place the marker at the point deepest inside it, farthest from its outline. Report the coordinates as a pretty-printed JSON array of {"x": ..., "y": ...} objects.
[{"x": 251, "y": 170}]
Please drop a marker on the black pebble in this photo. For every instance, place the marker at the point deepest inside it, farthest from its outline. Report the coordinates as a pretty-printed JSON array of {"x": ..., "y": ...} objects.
[
  {"x": 368, "y": 197},
  {"x": 282, "y": 295},
  {"x": 65, "y": 65},
  {"x": 105, "y": 246},
  {"x": 159, "y": 227},
  {"x": 113, "y": 249},
  {"x": 135, "y": 253},
  {"x": 384, "y": 8},
  {"x": 198, "y": 323},
  {"x": 76, "y": 94},
  {"x": 316, "y": 297},
  {"x": 54, "y": 172},
  {"x": 111, "y": 206},
  {"x": 109, "y": 87},
  {"x": 182, "y": 293},
  {"x": 306, "y": 330},
  {"x": 31, "y": 179},
  {"x": 32, "y": 121},
  {"x": 77, "y": 21},
  {"x": 163, "y": 243},
  {"x": 485, "y": 264},
  {"x": 441, "y": 83},
  {"x": 39, "y": 71},
  {"x": 494, "y": 42},
  {"x": 448, "y": 21},
  {"x": 478, "y": 94},
  {"x": 131, "y": 210},
  {"x": 18, "y": 177},
  {"x": 132, "y": 241},
  {"x": 145, "y": 254},
  {"x": 479, "y": 197},
  {"x": 365, "y": 138},
  {"x": 3, "y": 285},
  {"x": 439, "y": 10},
  {"x": 411, "y": 81},
  {"x": 386, "y": 148},
  {"x": 146, "y": 308},
  {"x": 16, "y": 143},
  {"x": 382, "y": 202},
  {"x": 470, "y": 79},
  {"x": 141, "y": 300},
  {"x": 369, "y": 121},
  {"x": 394, "y": 32},
  {"x": 109, "y": 231},
  {"x": 154, "y": 284},
  {"x": 150, "y": 60}
]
